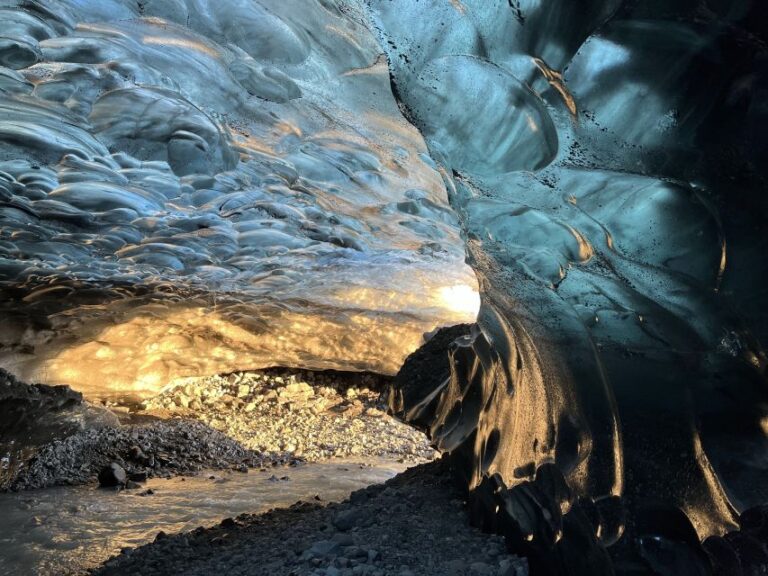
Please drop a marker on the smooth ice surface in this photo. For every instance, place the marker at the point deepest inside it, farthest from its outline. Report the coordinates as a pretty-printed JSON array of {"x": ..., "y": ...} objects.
[
  {"x": 603, "y": 158},
  {"x": 480, "y": 117},
  {"x": 195, "y": 187}
]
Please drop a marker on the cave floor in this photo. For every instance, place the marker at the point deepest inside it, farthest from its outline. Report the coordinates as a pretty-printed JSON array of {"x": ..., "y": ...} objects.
[
  {"x": 309, "y": 415},
  {"x": 240, "y": 421},
  {"x": 414, "y": 524},
  {"x": 300, "y": 434},
  {"x": 216, "y": 446}
]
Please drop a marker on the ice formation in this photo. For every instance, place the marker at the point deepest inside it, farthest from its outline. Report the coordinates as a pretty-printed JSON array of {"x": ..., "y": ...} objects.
[
  {"x": 195, "y": 186},
  {"x": 606, "y": 160}
]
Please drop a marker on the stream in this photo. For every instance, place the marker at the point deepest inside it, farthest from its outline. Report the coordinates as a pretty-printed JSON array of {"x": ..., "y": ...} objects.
[{"x": 72, "y": 529}]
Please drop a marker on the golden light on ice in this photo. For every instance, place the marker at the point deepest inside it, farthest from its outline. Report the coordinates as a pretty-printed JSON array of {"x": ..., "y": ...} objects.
[
  {"x": 460, "y": 298},
  {"x": 153, "y": 346},
  {"x": 116, "y": 352}
]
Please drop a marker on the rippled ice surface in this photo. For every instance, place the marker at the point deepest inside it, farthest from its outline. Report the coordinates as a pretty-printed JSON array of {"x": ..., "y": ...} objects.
[
  {"x": 197, "y": 187},
  {"x": 47, "y": 531}
]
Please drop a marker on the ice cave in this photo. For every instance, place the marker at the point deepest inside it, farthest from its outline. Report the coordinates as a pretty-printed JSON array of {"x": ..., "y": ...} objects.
[{"x": 384, "y": 287}]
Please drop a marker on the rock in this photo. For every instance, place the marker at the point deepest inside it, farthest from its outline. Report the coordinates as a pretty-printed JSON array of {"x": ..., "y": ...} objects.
[
  {"x": 480, "y": 569},
  {"x": 352, "y": 410},
  {"x": 297, "y": 391},
  {"x": 355, "y": 553},
  {"x": 137, "y": 454},
  {"x": 455, "y": 567},
  {"x": 346, "y": 519},
  {"x": 112, "y": 475},
  {"x": 243, "y": 390},
  {"x": 323, "y": 548},
  {"x": 358, "y": 496},
  {"x": 513, "y": 567},
  {"x": 343, "y": 539},
  {"x": 177, "y": 447}
]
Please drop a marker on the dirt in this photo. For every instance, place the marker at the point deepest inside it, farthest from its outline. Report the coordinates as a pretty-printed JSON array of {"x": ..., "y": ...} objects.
[{"x": 413, "y": 525}]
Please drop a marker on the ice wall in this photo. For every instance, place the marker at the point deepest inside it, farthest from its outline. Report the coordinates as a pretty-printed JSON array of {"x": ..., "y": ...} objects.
[
  {"x": 194, "y": 186},
  {"x": 607, "y": 162}
]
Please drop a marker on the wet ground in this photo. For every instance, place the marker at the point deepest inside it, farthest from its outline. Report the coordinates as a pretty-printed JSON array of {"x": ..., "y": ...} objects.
[
  {"x": 68, "y": 530},
  {"x": 415, "y": 524}
]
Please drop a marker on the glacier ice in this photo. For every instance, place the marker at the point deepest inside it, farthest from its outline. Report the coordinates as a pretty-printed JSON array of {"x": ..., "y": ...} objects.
[
  {"x": 614, "y": 397},
  {"x": 190, "y": 186},
  {"x": 196, "y": 187}
]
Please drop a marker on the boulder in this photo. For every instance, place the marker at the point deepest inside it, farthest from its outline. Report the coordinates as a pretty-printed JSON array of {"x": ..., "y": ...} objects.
[{"x": 112, "y": 475}]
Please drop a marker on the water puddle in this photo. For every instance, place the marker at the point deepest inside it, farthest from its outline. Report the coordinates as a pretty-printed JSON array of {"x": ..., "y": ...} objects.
[{"x": 64, "y": 530}]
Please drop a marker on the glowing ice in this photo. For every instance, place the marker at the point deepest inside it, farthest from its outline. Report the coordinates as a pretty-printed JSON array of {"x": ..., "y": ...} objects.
[
  {"x": 196, "y": 187},
  {"x": 193, "y": 186}
]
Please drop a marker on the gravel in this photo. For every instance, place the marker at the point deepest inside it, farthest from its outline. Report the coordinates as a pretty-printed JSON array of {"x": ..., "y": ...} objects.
[
  {"x": 415, "y": 524},
  {"x": 309, "y": 415},
  {"x": 158, "y": 449},
  {"x": 238, "y": 421},
  {"x": 34, "y": 416}
]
